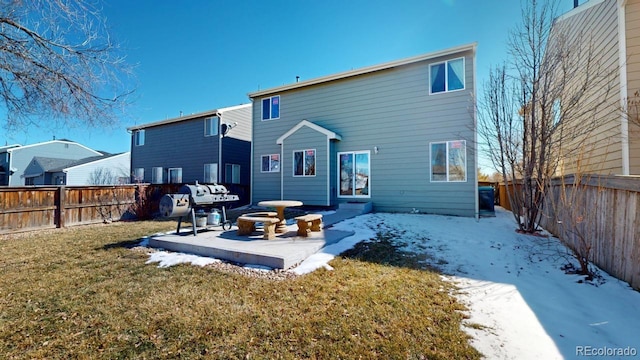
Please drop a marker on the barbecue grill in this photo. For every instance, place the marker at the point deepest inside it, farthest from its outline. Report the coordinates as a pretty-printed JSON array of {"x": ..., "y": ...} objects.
[{"x": 197, "y": 200}]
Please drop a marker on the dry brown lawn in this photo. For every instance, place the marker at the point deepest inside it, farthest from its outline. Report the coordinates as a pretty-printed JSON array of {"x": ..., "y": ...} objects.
[{"x": 84, "y": 293}]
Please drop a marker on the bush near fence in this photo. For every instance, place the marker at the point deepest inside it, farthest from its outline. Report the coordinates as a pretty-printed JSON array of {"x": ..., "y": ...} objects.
[
  {"x": 615, "y": 227},
  {"x": 31, "y": 208}
]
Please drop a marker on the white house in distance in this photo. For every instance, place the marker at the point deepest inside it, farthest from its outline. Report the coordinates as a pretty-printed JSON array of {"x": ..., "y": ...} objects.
[{"x": 59, "y": 162}]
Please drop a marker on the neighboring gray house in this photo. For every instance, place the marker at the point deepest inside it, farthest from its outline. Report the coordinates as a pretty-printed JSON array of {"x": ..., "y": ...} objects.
[
  {"x": 191, "y": 148},
  {"x": 105, "y": 169},
  {"x": 400, "y": 135},
  {"x": 15, "y": 159}
]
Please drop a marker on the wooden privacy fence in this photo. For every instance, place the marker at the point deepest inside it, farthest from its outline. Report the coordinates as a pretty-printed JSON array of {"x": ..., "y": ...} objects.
[
  {"x": 601, "y": 212},
  {"x": 44, "y": 207}
]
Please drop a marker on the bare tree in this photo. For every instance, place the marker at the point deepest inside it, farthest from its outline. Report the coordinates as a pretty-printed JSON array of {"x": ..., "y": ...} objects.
[
  {"x": 59, "y": 63},
  {"x": 107, "y": 176},
  {"x": 539, "y": 110}
]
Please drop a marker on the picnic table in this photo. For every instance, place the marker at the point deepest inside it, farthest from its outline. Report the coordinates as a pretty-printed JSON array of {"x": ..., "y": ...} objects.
[{"x": 280, "y": 205}]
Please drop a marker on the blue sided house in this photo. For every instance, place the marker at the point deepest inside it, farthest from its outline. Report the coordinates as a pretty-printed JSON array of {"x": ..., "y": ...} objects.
[{"x": 399, "y": 135}]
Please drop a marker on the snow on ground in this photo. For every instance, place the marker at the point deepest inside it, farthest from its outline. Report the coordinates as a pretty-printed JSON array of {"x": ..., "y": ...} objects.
[{"x": 521, "y": 304}]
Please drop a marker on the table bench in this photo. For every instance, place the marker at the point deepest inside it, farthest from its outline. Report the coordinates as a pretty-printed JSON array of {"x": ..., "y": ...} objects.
[
  {"x": 247, "y": 225},
  {"x": 308, "y": 223}
]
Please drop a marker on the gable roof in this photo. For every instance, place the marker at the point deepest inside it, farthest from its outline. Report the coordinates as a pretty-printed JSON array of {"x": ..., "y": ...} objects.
[
  {"x": 94, "y": 159},
  {"x": 51, "y": 164},
  {"x": 365, "y": 70},
  {"x": 188, "y": 117},
  {"x": 56, "y": 164},
  {"x": 330, "y": 134}
]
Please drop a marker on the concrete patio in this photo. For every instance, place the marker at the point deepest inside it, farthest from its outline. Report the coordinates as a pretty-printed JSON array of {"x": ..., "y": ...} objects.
[{"x": 285, "y": 251}]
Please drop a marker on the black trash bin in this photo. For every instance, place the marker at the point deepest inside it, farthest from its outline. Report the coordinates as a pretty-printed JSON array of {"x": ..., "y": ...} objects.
[{"x": 486, "y": 197}]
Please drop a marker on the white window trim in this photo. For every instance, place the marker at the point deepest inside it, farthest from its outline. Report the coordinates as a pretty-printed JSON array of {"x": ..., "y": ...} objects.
[
  {"x": 233, "y": 166},
  {"x": 270, "y": 107},
  {"x": 214, "y": 129},
  {"x": 446, "y": 76},
  {"x": 447, "y": 162},
  {"x": 270, "y": 171},
  {"x": 153, "y": 175},
  {"x": 354, "y": 159},
  {"x": 136, "y": 137},
  {"x": 169, "y": 175},
  {"x": 213, "y": 166},
  {"x": 135, "y": 174},
  {"x": 293, "y": 162}
]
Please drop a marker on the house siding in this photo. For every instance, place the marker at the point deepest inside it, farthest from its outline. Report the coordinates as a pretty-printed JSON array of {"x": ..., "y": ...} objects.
[
  {"x": 597, "y": 27},
  {"x": 390, "y": 109},
  {"x": 21, "y": 157},
  {"x": 311, "y": 190},
  {"x": 632, "y": 29},
  {"x": 176, "y": 145},
  {"x": 118, "y": 165},
  {"x": 183, "y": 144}
]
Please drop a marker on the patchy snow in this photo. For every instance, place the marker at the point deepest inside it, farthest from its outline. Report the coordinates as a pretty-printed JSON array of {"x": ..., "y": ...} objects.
[{"x": 521, "y": 304}]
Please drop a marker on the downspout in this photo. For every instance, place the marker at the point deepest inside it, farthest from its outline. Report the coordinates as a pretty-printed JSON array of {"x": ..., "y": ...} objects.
[
  {"x": 622, "y": 62},
  {"x": 219, "y": 147},
  {"x": 9, "y": 170},
  {"x": 328, "y": 171},
  {"x": 282, "y": 170},
  {"x": 475, "y": 135}
]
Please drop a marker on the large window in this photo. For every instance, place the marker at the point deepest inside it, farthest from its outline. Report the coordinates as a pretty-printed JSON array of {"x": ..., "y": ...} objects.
[
  {"x": 304, "y": 162},
  {"x": 447, "y": 76},
  {"x": 138, "y": 137},
  {"x": 271, "y": 108},
  {"x": 156, "y": 175},
  {"x": 211, "y": 126},
  {"x": 354, "y": 173},
  {"x": 232, "y": 174},
  {"x": 175, "y": 175},
  {"x": 449, "y": 161},
  {"x": 270, "y": 163},
  {"x": 210, "y": 173}
]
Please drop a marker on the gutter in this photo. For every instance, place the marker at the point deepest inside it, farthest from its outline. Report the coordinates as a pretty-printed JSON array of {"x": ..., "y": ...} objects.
[{"x": 622, "y": 62}]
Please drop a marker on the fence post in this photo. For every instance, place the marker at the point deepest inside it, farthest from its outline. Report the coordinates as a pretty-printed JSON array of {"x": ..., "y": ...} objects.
[{"x": 61, "y": 201}]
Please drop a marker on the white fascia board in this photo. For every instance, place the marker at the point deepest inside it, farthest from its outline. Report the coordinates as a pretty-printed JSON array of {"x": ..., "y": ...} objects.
[
  {"x": 54, "y": 141},
  {"x": 96, "y": 161},
  {"x": 365, "y": 70},
  {"x": 187, "y": 117},
  {"x": 330, "y": 134},
  {"x": 579, "y": 9}
]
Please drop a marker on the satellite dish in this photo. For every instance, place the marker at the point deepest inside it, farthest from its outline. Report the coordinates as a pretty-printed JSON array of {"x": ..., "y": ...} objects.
[{"x": 224, "y": 129}]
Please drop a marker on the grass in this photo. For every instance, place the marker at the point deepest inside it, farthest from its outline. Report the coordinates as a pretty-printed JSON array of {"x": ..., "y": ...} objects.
[{"x": 84, "y": 293}]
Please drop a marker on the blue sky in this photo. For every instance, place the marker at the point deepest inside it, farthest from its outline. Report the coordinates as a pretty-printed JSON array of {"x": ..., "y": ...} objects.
[{"x": 198, "y": 55}]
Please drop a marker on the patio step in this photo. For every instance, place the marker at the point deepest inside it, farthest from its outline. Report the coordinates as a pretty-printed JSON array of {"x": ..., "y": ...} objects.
[{"x": 361, "y": 207}]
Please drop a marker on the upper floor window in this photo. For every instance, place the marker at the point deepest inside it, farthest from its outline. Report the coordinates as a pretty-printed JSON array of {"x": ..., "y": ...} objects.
[
  {"x": 449, "y": 161},
  {"x": 271, "y": 163},
  {"x": 304, "y": 163},
  {"x": 211, "y": 126},
  {"x": 138, "y": 137},
  {"x": 271, "y": 108},
  {"x": 447, "y": 76}
]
